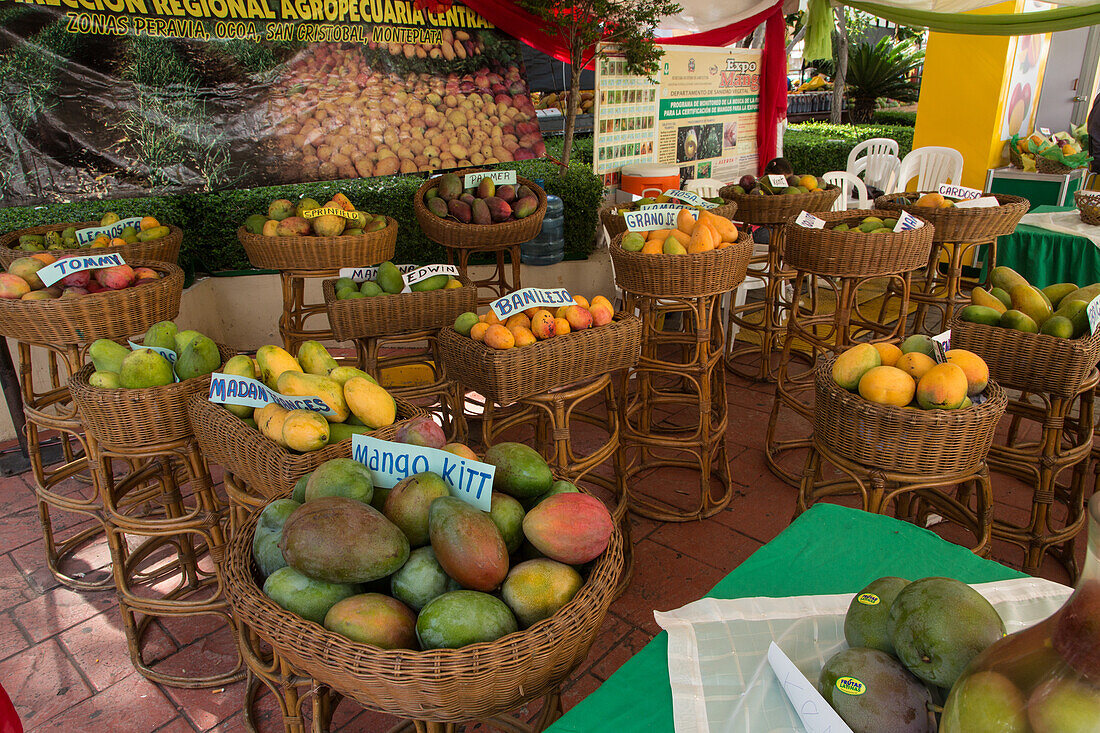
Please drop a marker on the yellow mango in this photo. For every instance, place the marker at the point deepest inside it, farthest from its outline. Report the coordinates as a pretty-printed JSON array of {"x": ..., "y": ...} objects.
[
  {"x": 344, "y": 373},
  {"x": 299, "y": 384},
  {"x": 305, "y": 430},
  {"x": 315, "y": 359},
  {"x": 269, "y": 421},
  {"x": 273, "y": 362},
  {"x": 240, "y": 366},
  {"x": 370, "y": 403}
]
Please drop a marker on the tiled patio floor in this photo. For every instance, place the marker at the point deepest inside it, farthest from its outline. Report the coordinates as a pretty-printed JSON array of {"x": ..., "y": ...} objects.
[{"x": 64, "y": 660}]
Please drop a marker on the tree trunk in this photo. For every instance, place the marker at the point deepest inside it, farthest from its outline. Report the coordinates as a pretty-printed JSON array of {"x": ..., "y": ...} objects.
[
  {"x": 836, "y": 116},
  {"x": 572, "y": 104}
]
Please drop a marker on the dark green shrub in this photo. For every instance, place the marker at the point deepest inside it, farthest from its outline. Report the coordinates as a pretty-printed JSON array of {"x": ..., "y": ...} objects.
[
  {"x": 894, "y": 117},
  {"x": 818, "y": 147}
]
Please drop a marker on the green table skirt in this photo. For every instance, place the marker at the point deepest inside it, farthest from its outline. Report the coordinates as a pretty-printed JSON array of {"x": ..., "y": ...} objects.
[
  {"x": 829, "y": 549},
  {"x": 1044, "y": 257}
]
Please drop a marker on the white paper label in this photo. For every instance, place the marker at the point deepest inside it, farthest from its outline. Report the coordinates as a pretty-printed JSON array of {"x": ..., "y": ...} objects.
[
  {"x": 907, "y": 222},
  {"x": 501, "y": 178},
  {"x": 776, "y": 180},
  {"x": 985, "y": 202},
  {"x": 649, "y": 220},
  {"x": 808, "y": 220},
  {"x": 959, "y": 192},
  {"x": 227, "y": 389},
  {"x": 692, "y": 199},
  {"x": 941, "y": 344},
  {"x": 815, "y": 713},
  {"x": 662, "y": 207},
  {"x": 361, "y": 274},
  {"x": 471, "y": 481},
  {"x": 166, "y": 353},
  {"x": 67, "y": 266},
  {"x": 1093, "y": 311},
  {"x": 429, "y": 271},
  {"x": 526, "y": 298},
  {"x": 1045, "y": 131},
  {"x": 83, "y": 236}
]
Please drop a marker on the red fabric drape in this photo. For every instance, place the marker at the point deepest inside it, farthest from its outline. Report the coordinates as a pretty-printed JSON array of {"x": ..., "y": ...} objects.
[{"x": 515, "y": 21}]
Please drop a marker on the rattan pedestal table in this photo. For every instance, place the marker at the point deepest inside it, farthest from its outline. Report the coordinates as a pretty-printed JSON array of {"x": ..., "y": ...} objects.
[
  {"x": 846, "y": 263},
  {"x": 296, "y": 311}
]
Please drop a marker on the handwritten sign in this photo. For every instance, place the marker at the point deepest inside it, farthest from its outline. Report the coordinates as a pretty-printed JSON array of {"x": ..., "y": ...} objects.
[
  {"x": 227, "y": 389},
  {"x": 84, "y": 236},
  {"x": 471, "y": 481},
  {"x": 907, "y": 222},
  {"x": 526, "y": 298},
  {"x": 959, "y": 192},
  {"x": 662, "y": 207},
  {"x": 776, "y": 180},
  {"x": 430, "y": 271},
  {"x": 816, "y": 714},
  {"x": 67, "y": 266},
  {"x": 648, "y": 220},
  {"x": 1093, "y": 312},
  {"x": 808, "y": 220},
  {"x": 501, "y": 178},
  {"x": 360, "y": 274},
  {"x": 692, "y": 199},
  {"x": 941, "y": 344},
  {"x": 1045, "y": 131},
  {"x": 985, "y": 202},
  {"x": 330, "y": 211}
]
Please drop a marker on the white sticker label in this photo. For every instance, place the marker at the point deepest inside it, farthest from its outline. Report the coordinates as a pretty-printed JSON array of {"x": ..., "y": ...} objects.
[
  {"x": 526, "y": 298},
  {"x": 649, "y": 220},
  {"x": 907, "y": 222},
  {"x": 1045, "y": 131},
  {"x": 227, "y": 389},
  {"x": 959, "y": 192},
  {"x": 83, "y": 236},
  {"x": 471, "y": 481},
  {"x": 985, "y": 202},
  {"x": 429, "y": 271},
  {"x": 812, "y": 709},
  {"x": 941, "y": 344},
  {"x": 67, "y": 266},
  {"x": 693, "y": 199},
  {"x": 501, "y": 178},
  {"x": 329, "y": 211},
  {"x": 168, "y": 354},
  {"x": 662, "y": 207},
  {"x": 1093, "y": 311},
  {"x": 776, "y": 180},
  {"x": 361, "y": 274},
  {"x": 808, "y": 220}
]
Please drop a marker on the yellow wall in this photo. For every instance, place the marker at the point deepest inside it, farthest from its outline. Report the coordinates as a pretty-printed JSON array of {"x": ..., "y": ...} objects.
[{"x": 962, "y": 96}]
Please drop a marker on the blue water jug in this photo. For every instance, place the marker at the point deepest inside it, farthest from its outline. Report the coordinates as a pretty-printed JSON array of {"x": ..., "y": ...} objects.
[{"x": 548, "y": 247}]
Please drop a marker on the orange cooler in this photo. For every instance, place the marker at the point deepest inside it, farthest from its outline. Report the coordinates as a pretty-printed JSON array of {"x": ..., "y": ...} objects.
[{"x": 649, "y": 179}]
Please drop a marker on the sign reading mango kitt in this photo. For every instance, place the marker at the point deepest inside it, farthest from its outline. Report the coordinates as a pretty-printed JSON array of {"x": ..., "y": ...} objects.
[{"x": 127, "y": 98}]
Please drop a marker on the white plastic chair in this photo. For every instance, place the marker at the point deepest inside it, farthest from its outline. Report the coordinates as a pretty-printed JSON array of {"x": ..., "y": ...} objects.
[
  {"x": 705, "y": 187},
  {"x": 847, "y": 182},
  {"x": 931, "y": 166},
  {"x": 877, "y": 159}
]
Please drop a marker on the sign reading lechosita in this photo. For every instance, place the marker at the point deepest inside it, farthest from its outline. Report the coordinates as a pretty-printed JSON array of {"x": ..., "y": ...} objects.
[
  {"x": 55, "y": 271},
  {"x": 526, "y": 298},
  {"x": 84, "y": 236},
  {"x": 390, "y": 463},
  {"x": 229, "y": 389}
]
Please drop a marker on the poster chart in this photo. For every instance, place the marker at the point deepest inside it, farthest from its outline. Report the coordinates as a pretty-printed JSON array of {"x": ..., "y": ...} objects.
[
  {"x": 1027, "y": 58},
  {"x": 704, "y": 113}
]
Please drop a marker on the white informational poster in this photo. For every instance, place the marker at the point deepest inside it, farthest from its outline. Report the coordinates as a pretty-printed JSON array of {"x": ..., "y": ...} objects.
[{"x": 626, "y": 118}]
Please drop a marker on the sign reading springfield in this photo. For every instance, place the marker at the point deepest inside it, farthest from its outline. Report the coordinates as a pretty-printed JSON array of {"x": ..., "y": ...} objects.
[{"x": 116, "y": 98}]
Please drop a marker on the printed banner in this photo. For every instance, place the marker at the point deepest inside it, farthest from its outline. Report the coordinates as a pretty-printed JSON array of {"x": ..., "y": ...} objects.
[
  {"x": 150, "y": 97},
  {"x": 471, "y": 481}
]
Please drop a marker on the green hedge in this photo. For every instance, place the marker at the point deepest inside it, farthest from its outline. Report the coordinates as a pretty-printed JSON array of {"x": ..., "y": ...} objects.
[
  {"x": 210, "y": 220},
  {"x": 894, "y": 117},
  {"x": 818, "y": 147}
]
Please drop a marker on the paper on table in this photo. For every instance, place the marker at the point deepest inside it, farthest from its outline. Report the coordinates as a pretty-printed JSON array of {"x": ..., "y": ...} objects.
[{"x": 812, "y": 709}]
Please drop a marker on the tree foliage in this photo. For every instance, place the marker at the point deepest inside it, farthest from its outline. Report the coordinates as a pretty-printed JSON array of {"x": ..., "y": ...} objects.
[{"x": 881, "y": 70}]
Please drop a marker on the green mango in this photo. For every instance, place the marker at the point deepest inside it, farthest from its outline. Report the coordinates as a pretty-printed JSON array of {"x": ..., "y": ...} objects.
[
  {"x": 435, "y": 282},
  {"x": 255, "y": 224},
  {"x": 1077, "y": 312},
  {"x": 107, "y": 356},
  {"x": 390, "y": 278},
  {"x": 200, "y": 356},
  {"x": 269, "y": 530},
  {"x": 161, "y": 335},
  {"x": 144, "y": 368},
  {"x": 980, "y": 314},
  {"x": 370, "y": 289},
  {"x": 1055, "y": 293}
]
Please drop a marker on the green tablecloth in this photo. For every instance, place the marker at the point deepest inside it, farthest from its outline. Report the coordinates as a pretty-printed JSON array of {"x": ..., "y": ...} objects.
[
  {"x": 829, "y": 549},
  {"x": 1045, "y": 257}
]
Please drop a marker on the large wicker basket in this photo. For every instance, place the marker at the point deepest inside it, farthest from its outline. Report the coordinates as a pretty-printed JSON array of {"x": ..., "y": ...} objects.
[
  {"x": 446, "y": 685},
  {"x": 265, "y": 466},
  {"x": 452, "y": 233},
  {"x": 963, "y": 225},
  {"x": 1032, "y": 362},
  {"x": 615, "y": 223},
  {"x": 1088, "y": 206},
  {"x": 320, "y": 253},
  {"x": 777, "y": 208},
  {"x": 110, "y": 314},
  {"x": 390, "y": 314},
  {"x": 507, "y": 375},
  {"x": 687, "y": 275},
  {"x": 136, "y": 418},
  {"x": 165, "y": 249},
  {"x": 1051, "y": 167},
  {"x": 855, "y": 253},
  {"x": 904, "y": 439}
]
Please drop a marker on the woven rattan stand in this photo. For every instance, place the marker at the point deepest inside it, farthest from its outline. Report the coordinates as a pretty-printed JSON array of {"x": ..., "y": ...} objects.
[
  {"x": 846, "y": 263},
  {"x": 915, "y": 461},
  {"x": 296, "y": 311}
]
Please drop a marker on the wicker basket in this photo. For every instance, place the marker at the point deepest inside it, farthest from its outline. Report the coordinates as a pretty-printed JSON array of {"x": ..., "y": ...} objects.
[
  {"x": 446, "y": 685},
  {"x": 320, "y": 253},
  {"x": 265, "y": 466},
  {"x": 854, "y": 253},
  {"x": 685, "y": 276},
  {"x": 1032, "y": 362},
  {"x": 615, "y": 223},
  {"x": 506, "y": 375},
  {"x": 1088, "y": 205},
  {"x": 110, "y": 314},
  {"x": 137, "y": 418},
  {"x": 452, "y": 233},
  {"x": 390, "y": 314},
  {"x": 963, "y": 225},
  {"x": 904, "y": 439},
  {"x": 165, "y": 249},
  {"x": 1051, "y": 167},
  {"x": 776, "y": 209}
]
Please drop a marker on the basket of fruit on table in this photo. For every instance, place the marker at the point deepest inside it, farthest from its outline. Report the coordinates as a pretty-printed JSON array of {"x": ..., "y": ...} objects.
[
  {"x": 483, "y": 215},
  {"x": 413, "y": 602},
  {"x": 893, "y": 407},
  {"x": 856, "y": 241},
  {"x": 380, "y": 307},
  {"x": 139, "y": 238},
  {"x": 764, "y": 200},
  {"x": 537, "y": 350},
  {"x": 959, "y": 224},
  {"x": 1036, "y": 340},
  {"x": 310, "y": 236},
  {"x": 611, "y": 215},
  {"x": 110, "y": 302},
  {"x": 697, "y": 257}
]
